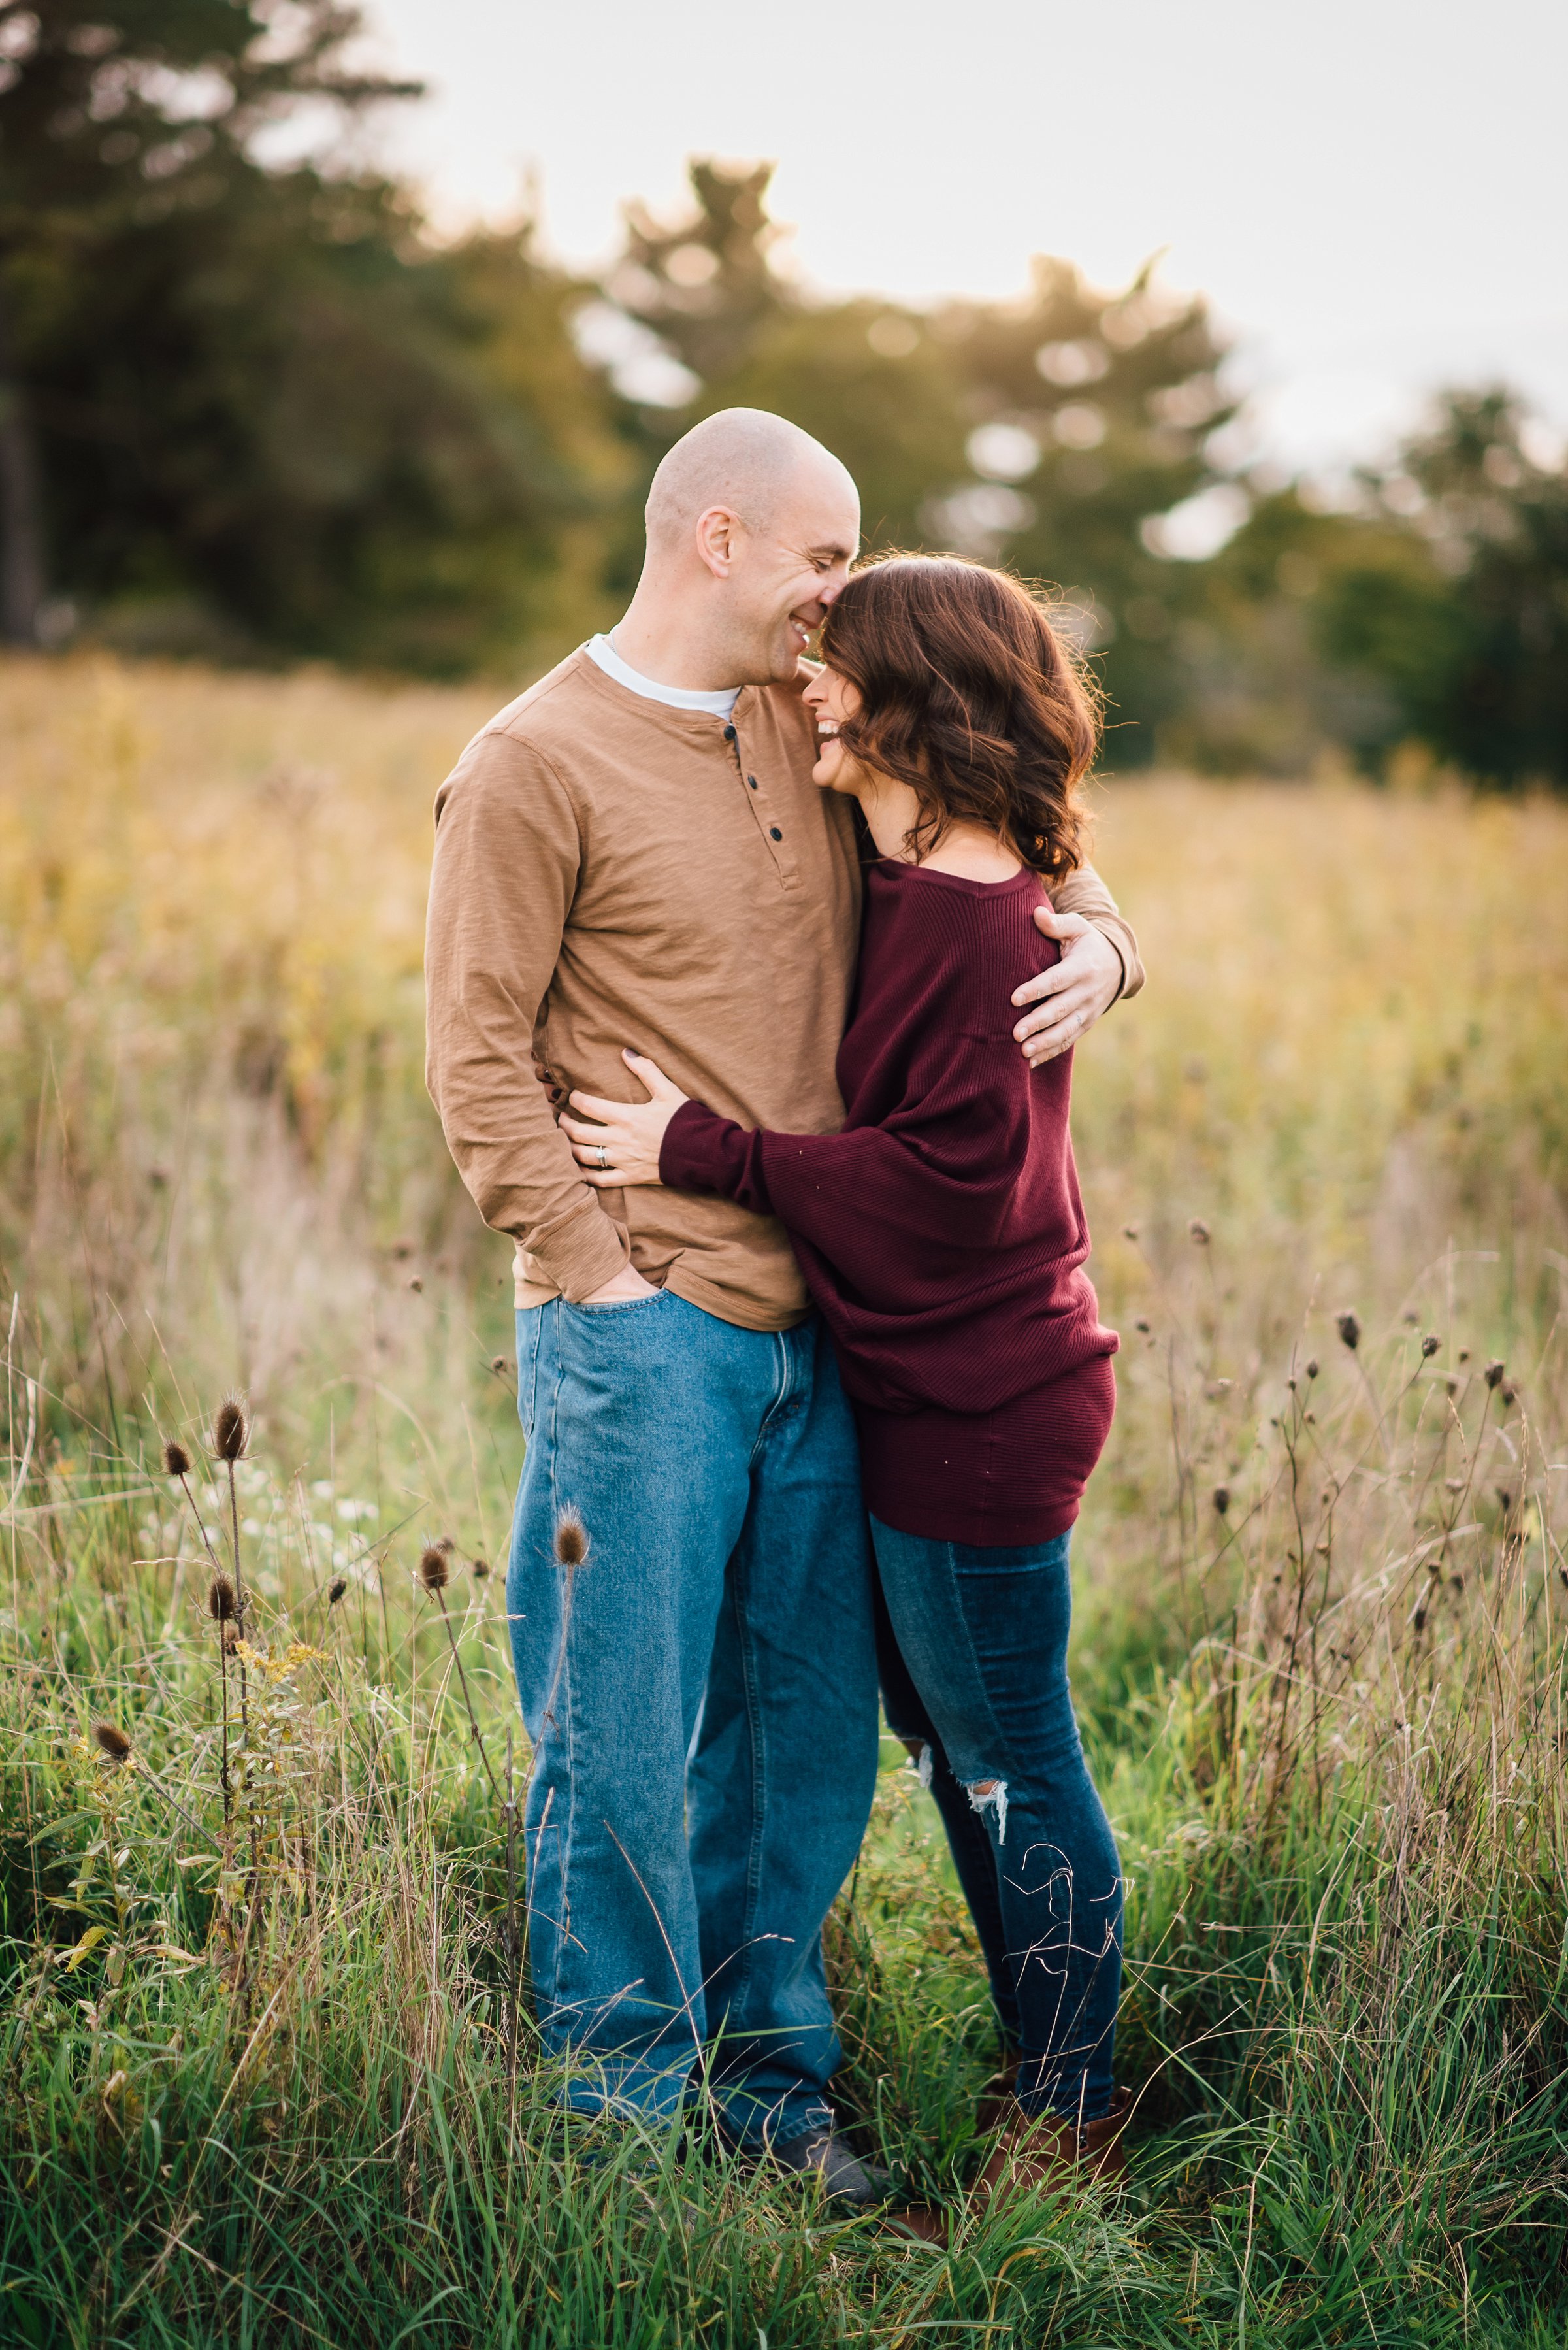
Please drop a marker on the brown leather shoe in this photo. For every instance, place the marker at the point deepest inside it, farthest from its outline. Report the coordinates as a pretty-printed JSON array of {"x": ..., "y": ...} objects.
[
  {"x": 1046, "y": 2151},
  {"x": 996, "y": 2099}
]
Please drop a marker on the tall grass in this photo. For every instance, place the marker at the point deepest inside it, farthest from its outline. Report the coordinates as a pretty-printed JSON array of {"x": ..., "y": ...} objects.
[{"x": 265, "y": 2072}]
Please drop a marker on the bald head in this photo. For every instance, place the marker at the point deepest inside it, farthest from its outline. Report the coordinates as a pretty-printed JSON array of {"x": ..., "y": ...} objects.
[
  {"x": 742, "y": 459},
  {"x": 751, "y": 529}
]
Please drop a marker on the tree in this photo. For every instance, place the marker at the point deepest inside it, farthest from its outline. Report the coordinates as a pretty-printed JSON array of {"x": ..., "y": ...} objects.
[
  {"x": 259, "y": 391},
  {"x": 1049, "y": 434},
  {"x": 1091, "y": 413},
  {"x": 1455, "y": 596}
]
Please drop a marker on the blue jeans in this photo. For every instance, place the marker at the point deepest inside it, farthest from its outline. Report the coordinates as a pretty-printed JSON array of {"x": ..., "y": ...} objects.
[
  {"x": 973, "y": 1656},
  {"x": 701, "y": 1695}
]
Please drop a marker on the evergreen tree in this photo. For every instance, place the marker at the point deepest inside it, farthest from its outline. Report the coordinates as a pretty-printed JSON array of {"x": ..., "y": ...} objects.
[
  {"x": 1050, "y": 433},
  {"x": 256, "y": 390},
  {"x": 1455, "y": 598}
]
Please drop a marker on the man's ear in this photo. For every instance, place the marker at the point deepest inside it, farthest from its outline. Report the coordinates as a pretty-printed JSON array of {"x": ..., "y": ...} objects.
[{"x": 719, "y": 531}]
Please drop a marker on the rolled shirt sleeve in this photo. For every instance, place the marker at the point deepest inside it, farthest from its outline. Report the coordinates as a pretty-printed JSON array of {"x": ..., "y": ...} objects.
[{"x": 1084, "y": 892}]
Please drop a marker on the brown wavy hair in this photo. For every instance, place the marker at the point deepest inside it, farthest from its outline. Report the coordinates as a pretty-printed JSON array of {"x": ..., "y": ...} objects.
[{"x": 968, "y": 695}]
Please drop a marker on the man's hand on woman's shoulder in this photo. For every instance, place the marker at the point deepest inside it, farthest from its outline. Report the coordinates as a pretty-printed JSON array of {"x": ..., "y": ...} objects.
[{"x": 1071, "y": 996}]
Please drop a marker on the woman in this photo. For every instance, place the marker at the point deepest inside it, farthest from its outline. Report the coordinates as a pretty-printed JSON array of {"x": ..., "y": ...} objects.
[{"x": 942, "y": 1236}]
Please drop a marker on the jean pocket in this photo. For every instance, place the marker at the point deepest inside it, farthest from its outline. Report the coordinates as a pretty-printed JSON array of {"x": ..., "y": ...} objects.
[{"x": 619, "y": 1305}]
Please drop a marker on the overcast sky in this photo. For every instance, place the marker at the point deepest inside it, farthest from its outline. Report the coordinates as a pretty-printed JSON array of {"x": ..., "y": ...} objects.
[{"x": 1373, "y": 192}]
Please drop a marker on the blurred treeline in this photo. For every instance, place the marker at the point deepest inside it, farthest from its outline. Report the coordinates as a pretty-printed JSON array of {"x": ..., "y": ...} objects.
[{"x": 250, "y": 409}]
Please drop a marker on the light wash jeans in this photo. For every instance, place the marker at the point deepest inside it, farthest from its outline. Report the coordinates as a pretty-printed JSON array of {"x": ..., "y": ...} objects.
[
  {"x": 974, "y": 1654},
  {"x": 702, "y": 1697}
]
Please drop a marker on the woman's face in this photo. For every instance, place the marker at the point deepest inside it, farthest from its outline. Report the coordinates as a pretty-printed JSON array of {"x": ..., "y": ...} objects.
[{"x": 832, "y": 698}]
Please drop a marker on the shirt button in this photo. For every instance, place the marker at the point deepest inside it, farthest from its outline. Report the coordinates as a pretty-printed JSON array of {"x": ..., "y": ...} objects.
[
  {"x": 752, "y": 781},
  {"x": 728, "y": 733},
  {"x": 774, "y": 832}
]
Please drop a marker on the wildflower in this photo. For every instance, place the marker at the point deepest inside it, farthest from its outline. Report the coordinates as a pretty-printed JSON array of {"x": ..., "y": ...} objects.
[
  {"x": 1510, "y": 1394},
  {"x": 434, "y": 1568},
  {"x": 230, "y": 1433},
  {"x": 176, "y": 1460},
  {"x": 1198, "y": 1231},
  {"x": 1222, "y": 1498},
  {"x": 1311, "y": 1367},
  {"x": 1429, "y": 1346},
  {"x": 112, "y": 1739},
  {"x": 1494, "y": 1371},
  {"x": 1349, "y": 1329},
  {"x": 1464, "y": 1355},
  {"x": 221, "y": 1599},
  {"x": 502, "y": 1366},
  {"x": 571, "y": 1539},
  {"x": 414, "y": 1282},
  {"x": 336, "y": 1588}
]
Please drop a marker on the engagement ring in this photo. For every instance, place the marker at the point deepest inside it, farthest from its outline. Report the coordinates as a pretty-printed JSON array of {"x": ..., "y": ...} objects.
[{"x": 603, "y": 1156}]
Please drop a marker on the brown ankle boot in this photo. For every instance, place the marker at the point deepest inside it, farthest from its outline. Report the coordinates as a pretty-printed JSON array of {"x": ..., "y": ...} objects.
[
  {"x": 1047, "y": 2149},
  {"x": 995, "y": 2099}
]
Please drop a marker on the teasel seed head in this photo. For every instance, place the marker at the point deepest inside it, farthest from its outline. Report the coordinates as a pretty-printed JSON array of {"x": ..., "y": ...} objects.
[
  {"x": 1222, "y": 1498},
  {"x": 1198, "y": 1231},
  {"x": 336, "y": 1588},
  {"x": 1494, "y": 1371},
  {"x": 434, "y": 1571},
  {"x": 220, "y": 1603},
  {"x": 1510, "y": 1394},
  {"x": 1429, "y": 1346},
  {"x": 230, "y": 1433},
  {"x": 571, "y": 1539},
  {"x": 1349, "y": 1329},
  {"x": 481, "y": 1568},
  {"x": 112, "y": 1741},
  {"x": 176, "y": 1460}
]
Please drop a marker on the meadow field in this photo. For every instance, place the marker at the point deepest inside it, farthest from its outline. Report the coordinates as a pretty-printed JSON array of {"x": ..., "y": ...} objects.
[{"x": 266, "y": 2069}]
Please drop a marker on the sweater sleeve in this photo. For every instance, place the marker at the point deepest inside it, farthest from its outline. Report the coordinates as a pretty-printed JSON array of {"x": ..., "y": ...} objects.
[
  {"x": 1084, "y": 892},
  {"x": 506, "y": 861},
  {"x": 944, "y": 1170}
]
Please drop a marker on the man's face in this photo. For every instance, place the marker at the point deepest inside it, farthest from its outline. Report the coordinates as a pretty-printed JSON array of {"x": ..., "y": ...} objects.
[{"x": 786, "y": 573}]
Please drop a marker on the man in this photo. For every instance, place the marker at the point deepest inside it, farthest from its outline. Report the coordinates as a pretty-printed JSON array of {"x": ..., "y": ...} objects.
[{"x": 634, "y": 853}]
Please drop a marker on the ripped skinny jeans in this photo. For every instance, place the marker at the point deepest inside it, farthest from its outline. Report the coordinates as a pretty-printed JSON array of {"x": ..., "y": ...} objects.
[{"x": 973, "y": 1654}]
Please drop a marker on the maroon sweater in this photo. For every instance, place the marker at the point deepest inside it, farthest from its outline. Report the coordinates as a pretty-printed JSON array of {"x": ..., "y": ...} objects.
[{"x": 941, "y": 1231}]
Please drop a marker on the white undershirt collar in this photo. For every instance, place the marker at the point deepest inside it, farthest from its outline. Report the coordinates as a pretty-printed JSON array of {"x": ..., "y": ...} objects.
[{"x": 679, "y": 697}]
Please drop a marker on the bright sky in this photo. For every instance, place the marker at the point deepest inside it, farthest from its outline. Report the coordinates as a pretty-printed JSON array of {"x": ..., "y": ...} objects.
[{"x": 1373, "y": 192}]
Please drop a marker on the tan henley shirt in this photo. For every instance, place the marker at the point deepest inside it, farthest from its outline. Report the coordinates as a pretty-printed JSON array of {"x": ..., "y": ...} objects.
[{"x": 611, "y": 871}]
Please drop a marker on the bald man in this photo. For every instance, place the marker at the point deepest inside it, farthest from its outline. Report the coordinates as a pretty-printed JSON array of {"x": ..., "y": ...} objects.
[{"x": 633, "y": 853}]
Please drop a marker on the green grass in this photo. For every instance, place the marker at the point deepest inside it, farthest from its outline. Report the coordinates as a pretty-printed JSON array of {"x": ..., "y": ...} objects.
[
  {"x": 268, "y": 2080},
  {"x": 257, "y": 2077}
]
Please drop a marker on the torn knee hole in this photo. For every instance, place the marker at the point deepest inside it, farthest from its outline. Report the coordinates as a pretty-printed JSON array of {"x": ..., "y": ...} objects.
[{"x": 991, "y": 1795}]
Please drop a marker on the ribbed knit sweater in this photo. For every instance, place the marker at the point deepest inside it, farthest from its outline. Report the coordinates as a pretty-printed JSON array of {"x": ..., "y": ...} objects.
[{"x": 941, "y": 1231}]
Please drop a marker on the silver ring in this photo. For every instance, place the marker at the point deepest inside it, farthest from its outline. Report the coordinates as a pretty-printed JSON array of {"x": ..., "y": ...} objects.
[{"x": 603, "y": 1156}]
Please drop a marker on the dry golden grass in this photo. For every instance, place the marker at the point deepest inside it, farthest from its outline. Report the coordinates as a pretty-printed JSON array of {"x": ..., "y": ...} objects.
[{"x": 1327, "y": 1712}]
